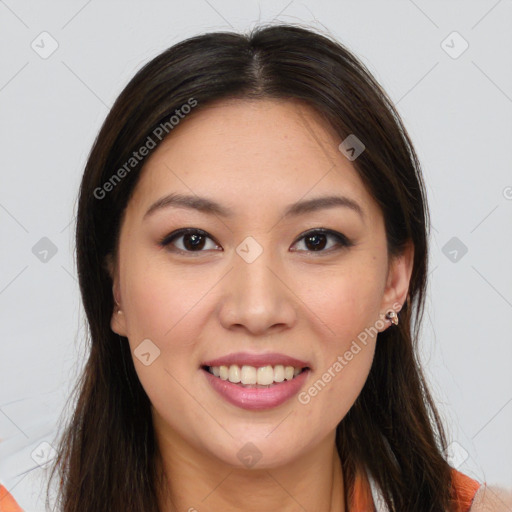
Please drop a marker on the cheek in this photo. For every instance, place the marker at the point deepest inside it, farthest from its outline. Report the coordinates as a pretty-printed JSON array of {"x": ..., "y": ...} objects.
[
  {"x": 336, "y": 383},
  {"x": 346, "y": 307},
  {"x": 162, "y": 300},
  {"x": 163, "y": 305},
  {"x": 346, "y": 301}
]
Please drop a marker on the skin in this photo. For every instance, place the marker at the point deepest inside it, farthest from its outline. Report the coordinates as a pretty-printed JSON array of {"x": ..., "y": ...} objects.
[
  {"x": 255, "y": 157},
  {"x": 492, "y": 499}
]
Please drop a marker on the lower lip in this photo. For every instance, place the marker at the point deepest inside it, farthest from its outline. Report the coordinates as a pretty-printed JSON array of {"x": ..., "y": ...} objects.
[{"x": 257, "y": 398}]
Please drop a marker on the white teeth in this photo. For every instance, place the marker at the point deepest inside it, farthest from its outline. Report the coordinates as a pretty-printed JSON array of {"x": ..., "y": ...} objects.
[
  {"x": 251, "y": 375},
  {"x": 248, "y": 375},
  {"x": 265, "y": 375},
  {"x": 278, "y": 373},
  {"x": 224, "y": 372},
  {"x": 234, "y": 373}
]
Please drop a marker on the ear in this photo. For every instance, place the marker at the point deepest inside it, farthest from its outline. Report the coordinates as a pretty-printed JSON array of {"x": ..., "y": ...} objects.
[
  {"x": 398, "y": 279},
  {"x": 117, "y": 320}
]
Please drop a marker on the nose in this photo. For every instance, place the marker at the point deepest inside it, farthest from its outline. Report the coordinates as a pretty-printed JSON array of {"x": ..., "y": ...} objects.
[{"x": 256, "y": 297}]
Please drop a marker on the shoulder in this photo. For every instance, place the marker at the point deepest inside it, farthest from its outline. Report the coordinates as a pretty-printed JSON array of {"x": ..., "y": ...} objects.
[{"x": 490, "y": 498}]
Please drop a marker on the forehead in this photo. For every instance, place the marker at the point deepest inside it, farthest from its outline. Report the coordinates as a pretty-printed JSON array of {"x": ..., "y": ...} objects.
[
  {"x": 251, "y": 153},
  {"x": 235, "y": 130}
]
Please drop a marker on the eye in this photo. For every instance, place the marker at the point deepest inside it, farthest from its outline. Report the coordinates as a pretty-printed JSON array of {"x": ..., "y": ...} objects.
[
  {"x": 194, "y": 240},
  {"x": 316, "y": 240},
  {"x": 189, "y": 240}
]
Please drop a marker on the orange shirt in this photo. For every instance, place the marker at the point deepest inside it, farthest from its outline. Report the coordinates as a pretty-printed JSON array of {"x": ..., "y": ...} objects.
[
  {"x": 7, "y": 502},
  {"x": 362, "y": 501},
  {"x": 465, "y": 490}
]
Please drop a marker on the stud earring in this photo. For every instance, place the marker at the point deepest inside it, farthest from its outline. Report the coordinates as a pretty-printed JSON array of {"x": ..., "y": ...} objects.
[{"x": 392, "y": 317}]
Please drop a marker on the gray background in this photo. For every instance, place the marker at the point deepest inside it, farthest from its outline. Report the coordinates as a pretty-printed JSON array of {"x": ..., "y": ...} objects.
[{"x": 457, "y": 109}]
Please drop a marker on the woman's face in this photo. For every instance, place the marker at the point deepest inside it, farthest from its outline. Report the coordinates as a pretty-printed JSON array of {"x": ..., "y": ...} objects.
[{"x": 253, "y": 282}]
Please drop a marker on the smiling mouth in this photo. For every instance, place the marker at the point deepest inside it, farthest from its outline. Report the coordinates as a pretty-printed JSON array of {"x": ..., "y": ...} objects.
[{"x": 255, "y": 377}]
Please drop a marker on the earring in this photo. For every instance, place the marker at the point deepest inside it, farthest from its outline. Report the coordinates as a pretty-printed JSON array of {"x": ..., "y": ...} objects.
[
  {"x": 118, "y": 311},
  {"x": 392, "y": 316}
]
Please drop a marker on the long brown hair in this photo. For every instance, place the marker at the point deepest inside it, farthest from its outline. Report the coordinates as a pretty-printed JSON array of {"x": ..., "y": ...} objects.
[{"x": 107, "y": 457}]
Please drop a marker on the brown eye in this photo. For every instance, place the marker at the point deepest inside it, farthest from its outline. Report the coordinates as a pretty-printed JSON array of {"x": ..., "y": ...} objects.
[
  {"x": 317, "y": 240},
  {"x": 192, "y": 240}
]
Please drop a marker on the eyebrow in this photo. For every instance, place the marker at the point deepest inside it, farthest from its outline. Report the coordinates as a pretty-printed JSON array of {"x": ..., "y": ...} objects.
[{"x": 211, "y": 207}]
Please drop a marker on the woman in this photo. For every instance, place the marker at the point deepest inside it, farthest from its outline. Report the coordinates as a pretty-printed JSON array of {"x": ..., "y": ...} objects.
[{"x": 252, "y": 255}]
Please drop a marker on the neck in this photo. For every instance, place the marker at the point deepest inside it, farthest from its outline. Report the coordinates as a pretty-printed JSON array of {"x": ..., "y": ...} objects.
[{"x": 196, "y": 481}]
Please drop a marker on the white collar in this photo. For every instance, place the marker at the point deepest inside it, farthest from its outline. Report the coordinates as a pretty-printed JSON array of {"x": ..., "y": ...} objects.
[{"x": 378, "y": 499}]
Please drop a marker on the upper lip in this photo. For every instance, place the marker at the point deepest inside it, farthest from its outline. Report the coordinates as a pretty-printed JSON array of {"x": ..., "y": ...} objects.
[{"x": 257, "y": 360}]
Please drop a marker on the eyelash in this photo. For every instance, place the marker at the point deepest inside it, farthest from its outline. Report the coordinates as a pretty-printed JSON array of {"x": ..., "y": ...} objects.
[{"x": 342, "y": 240}]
